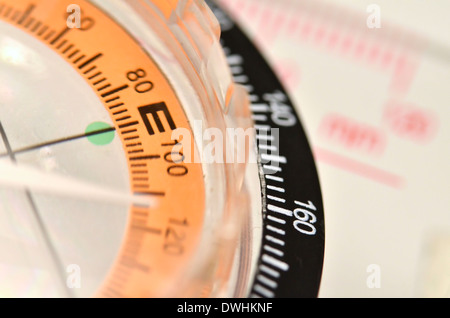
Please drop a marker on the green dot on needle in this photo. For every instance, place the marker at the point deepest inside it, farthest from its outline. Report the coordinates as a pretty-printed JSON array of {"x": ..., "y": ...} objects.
[{"x": 102, "y": 137}]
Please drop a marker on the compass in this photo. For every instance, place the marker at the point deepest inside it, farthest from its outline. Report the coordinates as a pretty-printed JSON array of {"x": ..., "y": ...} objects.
[{"x": 146, "y": 154}]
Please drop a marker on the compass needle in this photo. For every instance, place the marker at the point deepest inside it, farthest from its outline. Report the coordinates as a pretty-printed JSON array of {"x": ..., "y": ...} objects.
[{"x": 26, "y": 177}]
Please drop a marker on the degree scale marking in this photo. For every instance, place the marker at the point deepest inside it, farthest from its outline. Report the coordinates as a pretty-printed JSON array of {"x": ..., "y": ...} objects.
[{"x": 81, "y": 49}]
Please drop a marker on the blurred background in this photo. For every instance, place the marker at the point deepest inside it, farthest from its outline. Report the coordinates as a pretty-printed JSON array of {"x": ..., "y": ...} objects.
[{"x": 371, "y": 82}]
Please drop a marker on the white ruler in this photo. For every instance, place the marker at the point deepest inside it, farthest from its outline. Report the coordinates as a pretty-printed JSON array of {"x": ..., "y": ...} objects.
[{"x": 375, "y": 103}]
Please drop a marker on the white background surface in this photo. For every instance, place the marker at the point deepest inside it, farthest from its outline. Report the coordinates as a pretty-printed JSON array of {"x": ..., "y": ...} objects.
[{"x": 386, "y": 208}]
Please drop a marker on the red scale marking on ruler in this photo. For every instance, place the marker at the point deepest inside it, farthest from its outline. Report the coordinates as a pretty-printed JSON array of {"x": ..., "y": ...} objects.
[
  {"x": 332, "y": 34},
  {"x": 272, "y": 22}
]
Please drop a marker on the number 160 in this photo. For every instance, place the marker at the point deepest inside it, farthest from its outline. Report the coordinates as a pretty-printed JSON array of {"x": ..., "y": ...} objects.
[{"x": 305, "y": 218}]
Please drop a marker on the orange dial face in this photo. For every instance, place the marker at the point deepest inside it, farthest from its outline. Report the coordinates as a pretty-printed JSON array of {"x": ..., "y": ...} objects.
[{"x": 144, "y": 108}]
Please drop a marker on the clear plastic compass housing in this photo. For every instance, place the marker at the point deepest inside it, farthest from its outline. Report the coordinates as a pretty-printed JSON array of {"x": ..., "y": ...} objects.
[
  {"x": 191, "y": 33},
  {"x": 79, "y": 113}
]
